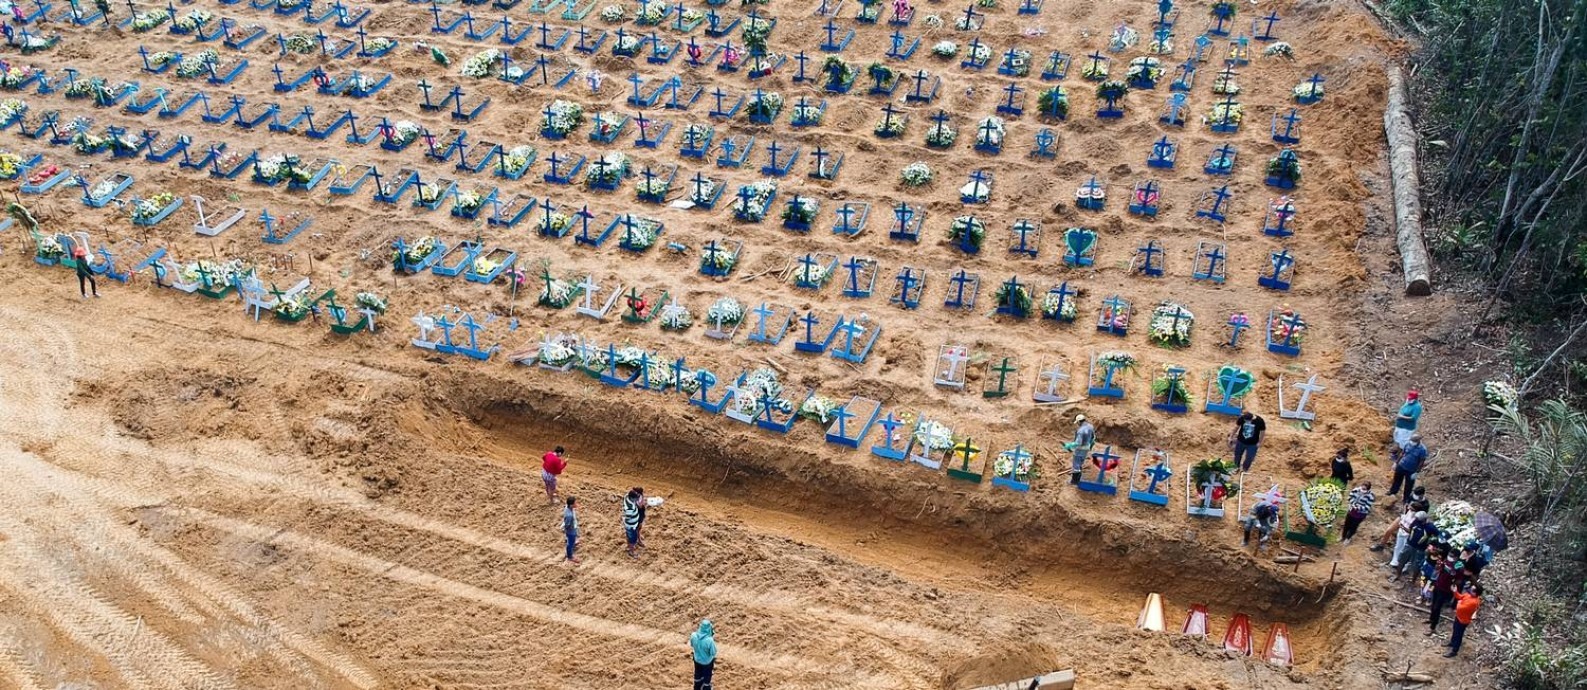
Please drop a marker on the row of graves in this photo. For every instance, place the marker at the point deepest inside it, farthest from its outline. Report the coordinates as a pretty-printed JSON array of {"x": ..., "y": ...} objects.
[{"x": 606, "y": 171}]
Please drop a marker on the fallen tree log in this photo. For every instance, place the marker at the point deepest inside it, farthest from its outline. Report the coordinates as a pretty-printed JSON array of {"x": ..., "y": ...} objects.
[{"x": 1414, "y": 260}]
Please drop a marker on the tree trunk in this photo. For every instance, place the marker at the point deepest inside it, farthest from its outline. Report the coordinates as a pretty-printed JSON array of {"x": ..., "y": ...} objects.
[{"x": 1407, "y": 190}]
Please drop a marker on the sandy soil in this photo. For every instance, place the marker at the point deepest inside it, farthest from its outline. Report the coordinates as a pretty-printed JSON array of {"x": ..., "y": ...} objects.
[{"x": 199, "y": 500}]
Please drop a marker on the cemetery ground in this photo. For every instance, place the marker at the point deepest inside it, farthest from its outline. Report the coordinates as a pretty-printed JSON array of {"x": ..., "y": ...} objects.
[{"x": 196, "y": 497}]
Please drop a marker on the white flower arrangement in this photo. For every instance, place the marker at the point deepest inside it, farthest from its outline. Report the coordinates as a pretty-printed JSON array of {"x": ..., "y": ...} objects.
[
  {"x": 676, "y": 317},
  {"x": 482, "y": 63},
  {"x": 1094, "y": 70},
  {"x": 691, "y": 15},
  {"x": 934, "y": 436},
  {"x": 807, "y": 113},
  {"x": 721, "y": 261},
  {"x": 1123, "y": 37},
  {"x": 147, "y": 21},
  {"x": 1500, "y": 394},
  {"x": 613, "y": 167},
  {"x": 484, "y": 265},
  {"x": 1053, "y": 309},
  {"x": 916, "y": 174},
  {"x": 933, "y": 21},
  {"x": 945, "y": 49},
  {"x": 890, "y": 126},
  {"x": 1165, "y": 330},
  {"x": 643, "y": 233},
  {"x": 802, "y": 209},
  {"x": 1117, "y": 360},
  {"x": 941, "y": 135},
  {"x": 975, "y": 191},
  {"x": 766, "y": 104},
  {"x": 990, "y": 136},
  {"x": 761, "y": 383},
  {"x": 558, "y": 350},
  {"x": 964, "y": 23},
  {"x": 469, "y": 202},
  {"x": 1456, "y": 519},
  {"x": 556, "y": 293},
  {"x": 695, "y": 134},
  {"x": 651, "y": 11},
  {"x": 1224, "y": 84},
  {"x": 429, "y": 192},
  {"x": 197, "y": 64},
  {"x": 370, "y": 301},
  {"x": 559, "y": 221},
  {"x": 50, "y": 248},
  {"x": 564, "y": 116},
  {"x": 148, "y": 207},
  {"x": 419, "y": 249},
  {"x": 194, "y": 19},
  {"x": 301, "y": 44},
  {"x": 1004, "y": 466},
  {"x": 654, "y": 187},
  {"x": 379, "y": 43},
  {"x": 294, "y": 307},
  {"x": 1144, "y": 67},
  {"x": 815, "y": 274},
  {"x": 163, "y": 57},
  {"x": 1162, "y": 47},
  {"x": 1019, "y": 62},
  {"x": 220, "y": 273},
  {"x": 1308, "y": 89},
  {"x": 725, "y": 311},
  {"x": 818, "y": 408},
  {"x": 701, "y": 193},
  {"x": 11, "y": 108},
  {"x": 518, "y": 156},
  {"x": 1280, "y": 49},
  {"x": 404, "y": 131},
  {"x": 613, "y": 13},
  {"x": 754, "y": 209},
  {"x": 606, "y": 122},
  {"x": 980, "y": 52},
  {"x": 627, "y": 43},
  {"x": 1226, "y": 114},
  {"x": 102, "y": 189}
]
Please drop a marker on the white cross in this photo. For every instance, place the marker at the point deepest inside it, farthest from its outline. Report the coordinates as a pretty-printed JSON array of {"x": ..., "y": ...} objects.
[
  {"x": 369, "y": 314},
  {"x": 1054, "y": 377},
  {"x": 954, "y": 355},
  {"x": 589, "y": 286},
  {"x": 426, "y": 324},
  {"x": 1306, "y": 388}
]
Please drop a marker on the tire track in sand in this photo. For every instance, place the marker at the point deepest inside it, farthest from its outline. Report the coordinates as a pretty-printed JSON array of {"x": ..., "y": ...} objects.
[{"x": 150, "y": 568}]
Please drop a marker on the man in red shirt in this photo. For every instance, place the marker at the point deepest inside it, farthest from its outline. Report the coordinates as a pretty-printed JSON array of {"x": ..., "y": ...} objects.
[{"x": 551, "y": 466}]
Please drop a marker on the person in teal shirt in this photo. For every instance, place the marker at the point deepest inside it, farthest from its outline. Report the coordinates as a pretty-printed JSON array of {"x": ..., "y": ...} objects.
[
  {"x": 1405, "y": 423},
  {"x": 703, "y": 644}
]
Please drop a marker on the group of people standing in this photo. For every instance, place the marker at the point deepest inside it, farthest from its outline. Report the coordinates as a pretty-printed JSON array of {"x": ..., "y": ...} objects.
[{"x": 702, "y": 643}]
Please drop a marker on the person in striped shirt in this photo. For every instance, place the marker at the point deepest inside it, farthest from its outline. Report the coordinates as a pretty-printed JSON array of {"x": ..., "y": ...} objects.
[
  {"x": 1361, "y": 500},
  {"x": 633, "y": 517}
]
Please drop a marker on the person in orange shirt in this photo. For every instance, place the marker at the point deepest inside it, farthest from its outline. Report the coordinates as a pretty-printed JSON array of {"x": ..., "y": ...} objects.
[{"x": 1466, "y": 605}]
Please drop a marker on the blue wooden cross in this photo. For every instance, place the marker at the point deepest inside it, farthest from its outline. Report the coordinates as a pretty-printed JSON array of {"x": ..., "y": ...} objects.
[
  {"x": 772, "y": 150},
  {"x": 890, "y": 439},
  {"x": 1237, "y": 324},
  {"x": 1105, "y": 462},
  {"x": 969, "y": 18},
  {"x": 1164, "y": 7},
  {"x": 1266, "y": 34},
  {"x": 831, "y": 44},
  {"x": 556, "y": 164},
  {"x": 1022, "y": 232},
  {"x": 801, "y": 59},
  {"x": 636, "y": 80},
  {"x": 1158, "y": 474},
  {"x": 1291, "y": 133},
  {"x": 1163, "y": 154},
  {"x": 1282, "y": 263},
  {"x": 821, "y": 156},
  {"x": 1010, "y": 303},
  {"x": 908, "y": 288},
  {"x": 1202, "y": 44},
  {"x": 1151, "y": 262},
  {"x": 841, "y": 416},
  {"x": 941, "y": 121},
  {"x": 542, "y": 65},
  {"x": 1216, "y": 211},
  {"x": 1097, "y": 58},
  {"x": 1209, "y": 262},
  {"x": 1112, "y": 308},
  {"x": 1011, "y": 94},
  {"x": 762, "y": 313},
  {"x": 988, "y": 129},
  {"x": 700, "y": 181},
  {"x": 1064, "y": 294},
  {"x": 960, "y": 280},
  {"x": 1045, "y": 140},
  {"x": 1314, "y": 95},
  {"x": 846, "y": 219},
  {"x": 888, "y": 111},
  {"x": 855, "y": 267}
]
